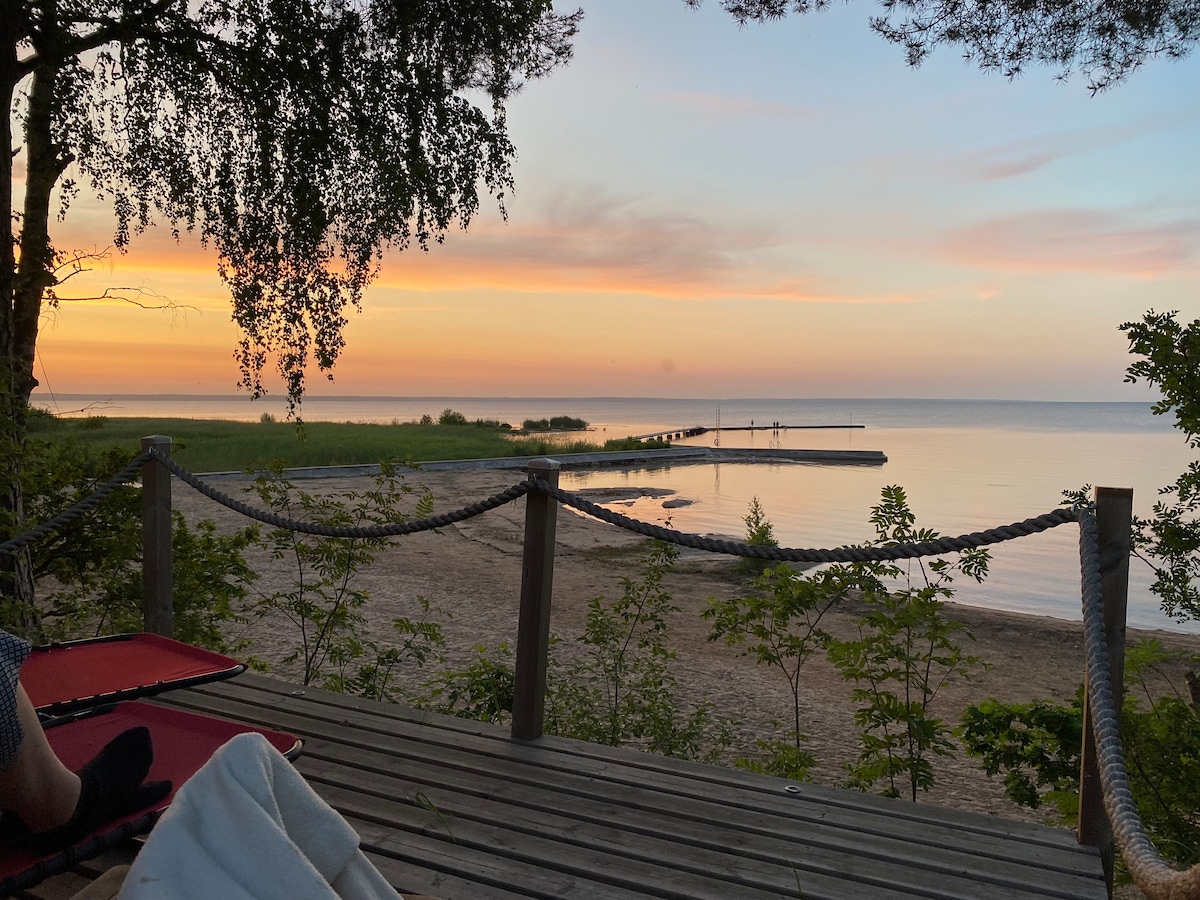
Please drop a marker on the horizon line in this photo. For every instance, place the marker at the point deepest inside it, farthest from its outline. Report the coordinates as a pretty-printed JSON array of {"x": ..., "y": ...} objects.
[{"x": 278, "y": 398}]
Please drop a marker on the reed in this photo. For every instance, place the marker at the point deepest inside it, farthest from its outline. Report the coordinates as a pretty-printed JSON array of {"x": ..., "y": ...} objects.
[{"x": 207, "y": 445}]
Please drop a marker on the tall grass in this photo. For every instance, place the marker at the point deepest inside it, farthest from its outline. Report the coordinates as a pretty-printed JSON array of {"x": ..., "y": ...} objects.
[{"x": 203, "y": 445}]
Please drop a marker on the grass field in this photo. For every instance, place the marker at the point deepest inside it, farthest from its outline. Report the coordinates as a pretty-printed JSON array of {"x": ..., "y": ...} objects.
[{"x": 204, "y": 445}]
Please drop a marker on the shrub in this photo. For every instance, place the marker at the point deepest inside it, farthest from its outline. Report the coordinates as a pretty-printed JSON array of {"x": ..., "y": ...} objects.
[
  {"x": 622, "y": 691},
  {"x": 325, "y": 603},
  {"x": 630, "y": 443},
  {"x": 759, "y": 533},
  {"x": 451, "y": 417},
  {"x": 1036, "y": 747},
  {"x": 905, "y": 653},
  {"x": 780, "y": 625},
  {"x": 93, "y": 565},
  {"x": 557, "y": 423}
]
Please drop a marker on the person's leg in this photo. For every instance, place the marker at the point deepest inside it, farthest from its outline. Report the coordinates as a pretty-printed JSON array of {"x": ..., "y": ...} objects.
[
  {"x": 48, "y": 808},
  {"x": 44, "y": 806},
  {"x": 36, "y": 786}
]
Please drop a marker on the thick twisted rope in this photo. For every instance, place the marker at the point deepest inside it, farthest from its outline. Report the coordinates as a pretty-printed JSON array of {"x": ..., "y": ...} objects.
[
  {"x": 1158, "y": 880},
  {"x": 51, "y": 526},
  {"x": 699, "y": 542},
  {"x": 391, "y": 529},
  {"x": 840, "y": 554},
  {"x": 1155, "y": 878}
]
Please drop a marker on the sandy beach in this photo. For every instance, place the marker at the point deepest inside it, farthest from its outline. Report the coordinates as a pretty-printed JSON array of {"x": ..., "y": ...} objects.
[{"x": 471, "y": 573}]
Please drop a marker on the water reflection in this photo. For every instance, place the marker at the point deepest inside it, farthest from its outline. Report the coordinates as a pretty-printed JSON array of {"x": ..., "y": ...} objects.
[{"x": 957, "y": 480}]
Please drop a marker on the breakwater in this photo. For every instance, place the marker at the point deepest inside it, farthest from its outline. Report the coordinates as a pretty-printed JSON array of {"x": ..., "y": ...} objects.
[{"x": 609, "y": 459}]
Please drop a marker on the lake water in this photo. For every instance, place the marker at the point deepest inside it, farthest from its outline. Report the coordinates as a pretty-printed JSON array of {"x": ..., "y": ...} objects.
[{"x": 966, "y": 466}]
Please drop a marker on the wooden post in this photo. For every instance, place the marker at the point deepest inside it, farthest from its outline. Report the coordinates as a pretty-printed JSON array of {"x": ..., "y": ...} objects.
[
  {"x": 1114, "y": 514},
  {"x": 158, "y": 611},
  {"x": 533, "y": 630}
]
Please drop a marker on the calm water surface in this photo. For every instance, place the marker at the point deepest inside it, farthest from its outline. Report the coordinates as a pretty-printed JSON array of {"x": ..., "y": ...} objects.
[{"x": 966, "y": 465}]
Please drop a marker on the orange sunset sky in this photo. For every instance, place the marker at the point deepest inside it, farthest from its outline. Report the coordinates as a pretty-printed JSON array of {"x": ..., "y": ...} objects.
[{"x": 775, "y": 211}]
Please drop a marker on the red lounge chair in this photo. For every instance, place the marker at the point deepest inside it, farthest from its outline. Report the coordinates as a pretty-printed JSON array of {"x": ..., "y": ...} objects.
[
  {"x": 86, "y": 676},
  {"x": 61, "y": 678}
]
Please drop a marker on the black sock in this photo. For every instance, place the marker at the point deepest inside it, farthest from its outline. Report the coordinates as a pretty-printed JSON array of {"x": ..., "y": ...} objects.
[{"x": 112, "y": 785}]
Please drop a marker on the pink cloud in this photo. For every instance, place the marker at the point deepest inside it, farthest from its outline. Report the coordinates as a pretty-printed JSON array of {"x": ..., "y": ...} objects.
[
  {"x": 1088, "y": 241},
  {"x": 1022, "y": 157},
  {"x": 592, "y": 243}
]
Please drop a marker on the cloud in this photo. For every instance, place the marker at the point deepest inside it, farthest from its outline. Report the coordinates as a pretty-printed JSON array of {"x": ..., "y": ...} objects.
[
  {"x": 1023, "y": 157},
  {"x": 586, "y": 241},
  {"x": 1086, "y": 241}
]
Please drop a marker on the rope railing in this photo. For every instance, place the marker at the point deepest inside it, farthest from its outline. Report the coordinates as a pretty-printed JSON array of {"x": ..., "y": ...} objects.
[
  {"x": 1154, "y": 877},
  {"x": 885, "y": 553},
  {"x": 392, "y": 529},
  {"x": 685, "y": 539},
  {"x": 94, "y": 499}
]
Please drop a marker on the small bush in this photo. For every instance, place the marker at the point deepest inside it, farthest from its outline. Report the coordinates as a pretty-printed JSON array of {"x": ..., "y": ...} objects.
[
  {"x": 557, "y": 423},
  {"x": 759, "y": 533},
  {"x": 451, "y": 417},
  {"x": 630, "y": 443}
]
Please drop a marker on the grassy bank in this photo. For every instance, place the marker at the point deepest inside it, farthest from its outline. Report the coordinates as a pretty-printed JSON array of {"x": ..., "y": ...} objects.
[{"x": 203, "y": 445}]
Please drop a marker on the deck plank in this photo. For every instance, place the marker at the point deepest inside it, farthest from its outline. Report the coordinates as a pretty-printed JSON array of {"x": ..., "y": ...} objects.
[{"x": 456, "y": 809}]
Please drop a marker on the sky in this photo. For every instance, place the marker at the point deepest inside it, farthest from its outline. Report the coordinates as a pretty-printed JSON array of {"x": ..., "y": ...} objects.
[{"x": 781, "y": 210}]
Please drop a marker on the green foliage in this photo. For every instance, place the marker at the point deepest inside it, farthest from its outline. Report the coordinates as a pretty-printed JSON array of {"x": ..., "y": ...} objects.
[
  {"x": 324, "y": 603},
  {"x": 621, "y": 690},
  {"x": 905, "y": 653},
  {"x": 92, "y": 567},
  {"x": 1169, "y": 541},
  {"x": 759, "y": 533},
  {"x": 556, "y": 423},
  {"x": 204, "y": 445},
  {"x": 418, "y": 641},
  {"x": 451, "y": 417},
  {"x": 484, "y": 690},
  {"x": 1160, "y": 732},
  {"x": 1103, "y": 42},
  {"x": 783, "y": 759},
  {"x": 298, "y": 140},
  {"x": 1037, "y": 747},
  {"x": 628, "y": 443},
  {"x": 780, "y": 623}
]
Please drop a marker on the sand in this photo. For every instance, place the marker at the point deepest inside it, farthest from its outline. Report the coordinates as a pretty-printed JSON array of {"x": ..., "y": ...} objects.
[{"x": 471, "y": 574}]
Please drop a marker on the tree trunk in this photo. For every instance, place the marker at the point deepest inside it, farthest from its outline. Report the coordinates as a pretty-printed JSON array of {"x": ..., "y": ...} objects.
[{"x": 26, "y": 279}]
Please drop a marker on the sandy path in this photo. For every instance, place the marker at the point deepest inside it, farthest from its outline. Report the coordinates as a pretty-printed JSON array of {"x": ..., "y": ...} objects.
[{"x": 472, "y": 572}]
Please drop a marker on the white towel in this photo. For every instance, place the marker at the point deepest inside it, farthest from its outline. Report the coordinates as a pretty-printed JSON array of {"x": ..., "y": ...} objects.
[{"x": 248, "y": 827}]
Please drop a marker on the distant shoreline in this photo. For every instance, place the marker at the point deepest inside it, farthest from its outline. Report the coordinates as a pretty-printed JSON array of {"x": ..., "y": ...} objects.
[{"x": 275, "y": 399}]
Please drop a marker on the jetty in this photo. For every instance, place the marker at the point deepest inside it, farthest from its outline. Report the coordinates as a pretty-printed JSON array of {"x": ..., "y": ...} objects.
[
  {"x": 600, "y": 459},
  {"x": 674, "y": 434}
]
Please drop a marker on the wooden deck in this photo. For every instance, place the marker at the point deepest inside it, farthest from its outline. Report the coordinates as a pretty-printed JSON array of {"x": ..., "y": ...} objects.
[{"x": 456, "y": 809}]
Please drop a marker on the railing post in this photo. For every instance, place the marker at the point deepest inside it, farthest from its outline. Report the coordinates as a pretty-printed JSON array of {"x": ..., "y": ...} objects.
[
  {"x": 1114, "y": 516},
  {"x": 533, "y": 629},
  {"x": 158, "y": 611}
]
